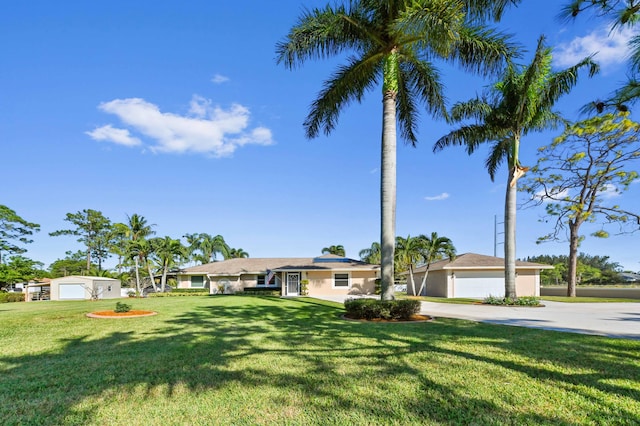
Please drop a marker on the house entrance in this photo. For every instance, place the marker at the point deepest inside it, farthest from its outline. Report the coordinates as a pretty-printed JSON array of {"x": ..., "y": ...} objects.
[{"x": 293, "y": 284}]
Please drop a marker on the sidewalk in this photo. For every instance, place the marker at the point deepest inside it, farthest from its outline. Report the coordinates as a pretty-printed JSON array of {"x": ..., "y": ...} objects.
[{"x": 604, "y": 319}]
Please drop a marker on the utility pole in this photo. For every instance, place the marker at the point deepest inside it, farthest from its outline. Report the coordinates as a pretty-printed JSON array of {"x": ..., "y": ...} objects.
[{"x": 495, "y": 235}]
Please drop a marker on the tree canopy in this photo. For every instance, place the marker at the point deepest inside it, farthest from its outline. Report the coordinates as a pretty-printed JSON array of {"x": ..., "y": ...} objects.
[{"x": 14, "y": 231}]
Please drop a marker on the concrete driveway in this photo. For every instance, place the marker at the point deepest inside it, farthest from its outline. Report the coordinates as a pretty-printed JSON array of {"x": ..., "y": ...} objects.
[{"x": 604, "y": 319}]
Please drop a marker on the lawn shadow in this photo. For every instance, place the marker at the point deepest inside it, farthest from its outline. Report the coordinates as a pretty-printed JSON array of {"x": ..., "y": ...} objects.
[{"x": 220, "y": 344}]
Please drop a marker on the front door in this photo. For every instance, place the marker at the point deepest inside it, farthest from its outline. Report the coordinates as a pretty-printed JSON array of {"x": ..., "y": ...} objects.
[{"x": 293, "y": 283}]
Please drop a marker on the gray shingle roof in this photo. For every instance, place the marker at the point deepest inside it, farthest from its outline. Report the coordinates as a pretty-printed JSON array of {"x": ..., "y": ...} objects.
[
  {"x": 478, "y": 261},
  {"x": 235, "y": 267}
]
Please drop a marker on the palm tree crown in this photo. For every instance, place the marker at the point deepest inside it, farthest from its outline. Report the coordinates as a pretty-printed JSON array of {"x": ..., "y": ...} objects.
[
  {"x": 394, "y": 43},
  {"x": 338, "y": 250}
]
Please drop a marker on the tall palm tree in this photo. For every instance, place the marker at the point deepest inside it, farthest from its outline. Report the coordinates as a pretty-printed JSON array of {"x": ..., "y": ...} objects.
[
  {"x": 371, "y": 255},
  {"x": 434, "y": 248},
  {"x": 409, "y": 253},
  {"x": 168, "y": 253},
  {"x": 204, "y": 247},
  {"x": 337, "y": 250},
  {"x": 521, "y": 102},
  {"x": 394, "y": 43}
]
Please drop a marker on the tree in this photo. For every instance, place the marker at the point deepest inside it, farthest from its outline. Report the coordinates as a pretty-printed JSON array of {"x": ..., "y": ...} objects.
[
  {"x": 337, "y": 250},
  {"x": 14, "y": 229},
  {"x": 138, "y": 230},
  {"x": 578, "y": 176},
  {"x": 72, "y": 264},
  {"x": 521, "y": 102},
  {"x": 371, "y": 255},
  {"x": 93, "y": 229},
  {"x": 408, "y": 253},
  {"x": 19, "y": 269},
  {"x": 203, "y": 247},
  {"x": 394, "y": 43},
  {"x": 624, "y": 14},
  {"x": 434, "y": 248},
  {"x": 237, "y": 253},
  {"x": 168, "y": 253},
  {"x": 118, "y": 242}
]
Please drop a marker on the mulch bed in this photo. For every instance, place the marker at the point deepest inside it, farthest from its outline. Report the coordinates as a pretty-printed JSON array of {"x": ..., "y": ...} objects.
[
  {"x": 113, "y": 314},
  {"x": 414, "y": 318}
]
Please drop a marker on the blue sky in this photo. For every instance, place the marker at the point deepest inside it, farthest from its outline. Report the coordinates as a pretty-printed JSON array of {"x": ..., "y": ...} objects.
[{"x": 178, "y": 111}]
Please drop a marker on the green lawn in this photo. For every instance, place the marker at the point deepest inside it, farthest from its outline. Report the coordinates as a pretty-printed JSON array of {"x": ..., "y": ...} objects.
[{"x": 251, "y": 360}]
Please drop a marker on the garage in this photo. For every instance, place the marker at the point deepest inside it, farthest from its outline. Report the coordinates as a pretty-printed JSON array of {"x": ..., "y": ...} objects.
[
  {"x": 478, "y": 284},
  {"x": 72, "y": 291},
  {"x": 476, "y": 276},
  {"x": 81, "y": 287}
]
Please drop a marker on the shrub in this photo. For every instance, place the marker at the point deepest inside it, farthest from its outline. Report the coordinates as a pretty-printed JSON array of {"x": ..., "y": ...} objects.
[
  {"x": 371, "y": 309},
  {"x": 304, "y": 288},
  {"x": 11, "y": 297},
  {"x": 378, "y": 286},
  {"x": 262, "y": 291},
  {"x": 506, "y": 301},
  {"x": 182, "y": 292},
  {"x": 122, "y": 307}
]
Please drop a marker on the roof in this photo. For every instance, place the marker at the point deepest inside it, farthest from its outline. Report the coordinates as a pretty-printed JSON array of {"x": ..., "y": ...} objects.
[
  {"x": 479, "y": 261},
  {"x": 86, "y": 277},
  {"x": 241, "y": 266}
]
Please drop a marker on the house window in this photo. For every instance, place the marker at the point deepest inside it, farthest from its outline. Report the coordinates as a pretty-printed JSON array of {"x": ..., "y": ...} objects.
[
  {"x": 109, "y": 288},
  {"x": 197, "y": 281},
  {"x": 341, "y": 280},
  {"x": 262, "y": 278}
]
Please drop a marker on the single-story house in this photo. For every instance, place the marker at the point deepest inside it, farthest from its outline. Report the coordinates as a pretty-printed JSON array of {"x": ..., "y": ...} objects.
[
  {"x": 476, "y": 276},
  {"x": 76, "y": 287},
  {"x": 324, "y": 275}
]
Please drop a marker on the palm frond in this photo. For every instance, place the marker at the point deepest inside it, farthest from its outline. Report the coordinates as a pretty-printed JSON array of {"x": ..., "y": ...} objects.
[
  {"x": 498, "y": 153},
  {"x": 470, "y": 136},
  {"x": 477, "y": 109},
  {"x": 483, "y": 50},
  {"x": 488, "y": 9},
  {"x": 348, "y": 83},
  {"x": 423, "y": 80},
  {"x": 321, "y": 33}
]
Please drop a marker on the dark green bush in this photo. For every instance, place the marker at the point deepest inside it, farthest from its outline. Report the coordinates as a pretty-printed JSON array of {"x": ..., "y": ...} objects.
[
  {"x": 122, "y": 307},
  {"x": 262, "y": 291},
  {"x": 182, "y": 292},
  {"x": 371, "y": 309},
  {"x": 11, "y": 297}
]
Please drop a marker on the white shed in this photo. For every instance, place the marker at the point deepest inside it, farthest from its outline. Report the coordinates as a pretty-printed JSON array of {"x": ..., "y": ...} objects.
[{"x": 77, "y": 287}]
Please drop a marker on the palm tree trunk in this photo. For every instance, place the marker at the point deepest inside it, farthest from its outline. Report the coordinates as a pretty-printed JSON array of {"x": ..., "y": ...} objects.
[
  {"x": 413, "y": 281},
  {"x": 153, "y": 282},
  {"x": 163, "y": 280},
  {"x": 137, "y": 266},
  {"x": 574, "y": 241},
  {"x": 423, "y": 285},
  {"x": 388, "y": 193},
  {"x": 510, "y": 236}
]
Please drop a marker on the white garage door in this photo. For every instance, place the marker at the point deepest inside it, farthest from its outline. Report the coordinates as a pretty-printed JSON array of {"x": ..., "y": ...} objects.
[
  {"x": 479, "y": 284},
  {"x": 72, "y": 291}
]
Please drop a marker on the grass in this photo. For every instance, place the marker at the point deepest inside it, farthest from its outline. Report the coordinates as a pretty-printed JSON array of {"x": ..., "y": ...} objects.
[
  {"x": 588, "y": 299},
  {"x": 260, "y": 360}
]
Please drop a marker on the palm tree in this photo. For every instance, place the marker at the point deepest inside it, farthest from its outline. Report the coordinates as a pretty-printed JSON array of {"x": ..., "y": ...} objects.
[
  {"x": 138, "y": 230},
  {"x": 168, "y": 252},
  {"x": 371, "y": 255},
  {"x": 204, "y": 247},
  {"x": 118, "y": 241},
  {"x": 237, "y": 253},
  {"x": 409, "y": 253},
  {"x": 520, "y": 103},
  {"x": 337, "y": 250},
  {"x": 394, "y": 43},
  {"x": 434, "y": 248}
]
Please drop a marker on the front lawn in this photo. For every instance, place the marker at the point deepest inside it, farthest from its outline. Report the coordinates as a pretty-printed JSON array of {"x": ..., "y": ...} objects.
[{"x": 257, "y": 360}]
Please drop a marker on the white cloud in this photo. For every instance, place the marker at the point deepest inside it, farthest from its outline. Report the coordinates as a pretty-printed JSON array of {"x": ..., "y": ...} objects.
[
  {"x": 206, "y": 129},
  {"x": 442, "y": 196},
  {"x": 609, "y": 191},
  {"x": 553, "y": 196},
  {"x": 219, "y": 79},
  {"x": 610, "y": 46},
  {"x": 109, "y": 133}
]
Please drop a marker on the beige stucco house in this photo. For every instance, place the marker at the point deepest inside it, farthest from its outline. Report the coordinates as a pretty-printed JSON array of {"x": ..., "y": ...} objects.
[
  {"x": 326, "y": 275},
  {"x": 476, "y": 275}
]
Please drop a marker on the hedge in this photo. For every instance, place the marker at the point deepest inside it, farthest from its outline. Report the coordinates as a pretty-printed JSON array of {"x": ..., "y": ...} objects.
[
  {"x": 177, "y": 292},
  {"x": 11, "y": 297},
  {"x": 262, "y": 291},
  {"x": 370, "y": 309}
]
